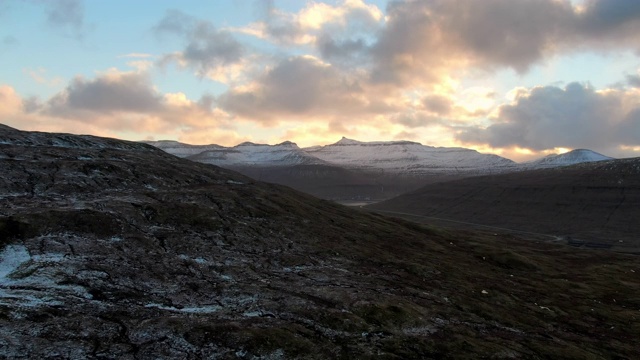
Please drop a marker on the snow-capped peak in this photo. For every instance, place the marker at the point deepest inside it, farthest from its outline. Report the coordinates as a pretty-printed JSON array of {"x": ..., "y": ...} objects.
[
  {"x": 351, "y": 142},
  {"x": 569, "y": 158},
  {"x": 347, "y": 141}
]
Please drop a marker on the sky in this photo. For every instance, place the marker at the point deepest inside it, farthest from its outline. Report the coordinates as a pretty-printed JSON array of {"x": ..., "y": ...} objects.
[{"x": 518, "y": 78}]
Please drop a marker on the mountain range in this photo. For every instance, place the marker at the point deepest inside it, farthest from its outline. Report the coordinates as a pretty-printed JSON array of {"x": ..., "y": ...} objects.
[
  {"x": 355, "y": 170},
  {"x": 115, "y": 249}
]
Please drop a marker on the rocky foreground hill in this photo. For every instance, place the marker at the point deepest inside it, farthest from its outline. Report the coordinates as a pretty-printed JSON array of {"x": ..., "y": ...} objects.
[{"x": 111, "y": 249}]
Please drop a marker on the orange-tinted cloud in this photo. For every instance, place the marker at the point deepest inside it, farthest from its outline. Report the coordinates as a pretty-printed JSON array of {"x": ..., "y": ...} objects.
[{"x": 116, "y": 103}]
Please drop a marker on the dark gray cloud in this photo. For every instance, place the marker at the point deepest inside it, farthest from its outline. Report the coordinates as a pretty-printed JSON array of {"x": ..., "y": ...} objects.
[
  {"x": 572, "y": 117},
  {"x": 127, "y": 101},
  {"x": 405, "y": 48},
  {"x": 298, "y": 85},
  {"x": 633, "y": 80},
  {"x": 128, "y": 92},
  {"x": 31, "y": 104},
  {"x": 281, "y": 27},
  {"x": 606, "y": 15},
  {"x": 351, "y": 51},
  {"x": 415, "y": 119},
  {"x": 207, "y": 47},
  {"x": 504, "y": 32},
  {"x": 175, "y": 22},
  {"x": 67, "y": 15},
  {"x": 423, "y": 39},
  {"x": 438, "y": 104},
  {"x": 629, "y": 129}
]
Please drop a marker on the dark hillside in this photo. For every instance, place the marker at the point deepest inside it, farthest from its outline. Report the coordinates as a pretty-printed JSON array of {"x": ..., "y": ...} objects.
[
  {"x": 111, "y": 249},
  {"x": 595, "y": 202}
]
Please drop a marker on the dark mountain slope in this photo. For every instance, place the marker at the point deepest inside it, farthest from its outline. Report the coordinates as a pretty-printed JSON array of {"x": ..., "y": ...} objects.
[
  {"x": 597, "y": 201},
  {"x": 110, "y": 249}
]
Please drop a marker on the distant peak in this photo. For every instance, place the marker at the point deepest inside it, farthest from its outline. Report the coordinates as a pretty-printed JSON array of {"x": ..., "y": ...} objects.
[
  {"x": 248, "y": 143},
  {"x": 584, "y": 152},
  {"x": 347, "y": 141},
  {"x": 572, "y": 157},
  {"x": 288, "y": 144}
]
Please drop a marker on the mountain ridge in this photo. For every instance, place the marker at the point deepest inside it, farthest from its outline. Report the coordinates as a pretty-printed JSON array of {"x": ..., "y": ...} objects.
[
  {"x": 352, "y": 170},
  {"x": 569, "y": 158}
]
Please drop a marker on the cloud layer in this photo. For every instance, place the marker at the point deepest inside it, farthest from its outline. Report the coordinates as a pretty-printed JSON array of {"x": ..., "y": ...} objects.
[
  {"x": 352, "y": 68},
  {"x": 571, "y": 117}
]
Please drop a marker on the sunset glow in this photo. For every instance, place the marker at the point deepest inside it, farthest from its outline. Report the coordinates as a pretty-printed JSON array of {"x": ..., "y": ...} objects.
[{"x": 521, "y": 79}]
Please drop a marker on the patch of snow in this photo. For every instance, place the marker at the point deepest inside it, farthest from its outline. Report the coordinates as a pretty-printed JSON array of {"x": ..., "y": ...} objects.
[
  {"x": 48, "y": 258},
  {"x": 26, "y": 298},
  {"x": 11, "y": 258},
  {"x": 115, "y": 239},
  {"x": 252, "y": 313},
  {"x": 205, "y": 309},
  {"x": 420, "y": 331},
  {"x": 31, "y": 281}
]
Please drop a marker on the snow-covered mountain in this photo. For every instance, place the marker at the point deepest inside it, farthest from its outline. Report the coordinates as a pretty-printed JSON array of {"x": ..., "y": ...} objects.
[
  {"x": 570, "y": 158},
  {"x": 406, "y": 157},
  {"x": 389, "y": 157},
  {"x": 261, "y": 155}
]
